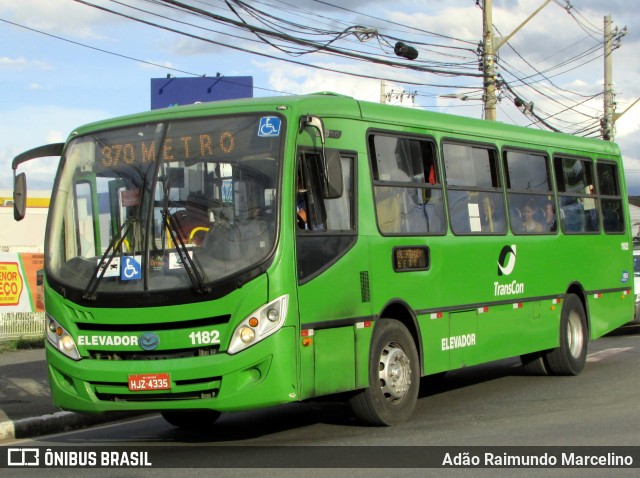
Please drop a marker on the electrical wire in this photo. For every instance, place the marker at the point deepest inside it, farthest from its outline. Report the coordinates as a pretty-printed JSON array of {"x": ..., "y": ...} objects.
[
  {"x": 295, "y": 32},
  {"x": 271, "y": 56},
  {"x": 128, "y": 57}
]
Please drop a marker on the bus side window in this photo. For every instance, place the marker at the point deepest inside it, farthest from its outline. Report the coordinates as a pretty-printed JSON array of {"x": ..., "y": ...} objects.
[
  {"x": 407, "y": 191},
  {"x": 578, "y": 205},
  {"x": 474, "y": 192},
  {"x": 610, "y": 197},
  {"x": 532, "y": 208},
  {"x": 325, "y": 227}
]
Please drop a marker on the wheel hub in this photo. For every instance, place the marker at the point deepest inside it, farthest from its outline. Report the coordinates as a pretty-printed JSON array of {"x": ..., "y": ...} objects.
[
  {"x": 395, "y": 372},
  {"x": 575, "y": 335}
]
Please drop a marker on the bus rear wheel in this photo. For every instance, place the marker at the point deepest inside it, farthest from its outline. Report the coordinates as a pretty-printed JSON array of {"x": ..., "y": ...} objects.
[
  {"x": 191, "y": 419},
  {"x": 394, "y": 377},
  {"x": 570, "y": 356}
]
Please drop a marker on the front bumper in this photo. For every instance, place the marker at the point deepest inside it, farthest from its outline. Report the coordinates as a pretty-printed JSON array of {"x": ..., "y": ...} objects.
[{"x": 262, "y": 375}]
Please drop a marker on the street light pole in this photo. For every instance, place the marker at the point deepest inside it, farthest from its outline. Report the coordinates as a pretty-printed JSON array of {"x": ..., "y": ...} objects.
[{"x": 489, "y": 56}]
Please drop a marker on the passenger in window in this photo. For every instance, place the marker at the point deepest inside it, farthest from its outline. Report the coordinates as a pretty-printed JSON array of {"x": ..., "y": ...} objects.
[
  {"x": 301, "y": 215},
  {"x": 301, "y": 208},
  {"x": 529, "y": 224},
  {"x": 493, "y": 219},
  {"x": 550, "y": 216},
  {"x": 303, "y": 220}
]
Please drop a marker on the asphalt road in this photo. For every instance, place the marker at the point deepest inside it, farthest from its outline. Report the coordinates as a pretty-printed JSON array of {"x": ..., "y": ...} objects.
[{"x": 493, "y": 405}]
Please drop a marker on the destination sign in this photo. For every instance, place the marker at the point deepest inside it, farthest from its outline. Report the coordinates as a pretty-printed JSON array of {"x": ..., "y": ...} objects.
[
  {"x": 222, "y": 139},
  {"x": 410, "y": 258},
  {"x": 179, "y": 148}
]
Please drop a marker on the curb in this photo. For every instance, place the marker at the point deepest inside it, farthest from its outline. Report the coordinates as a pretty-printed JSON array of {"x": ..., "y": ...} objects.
[{"x": 54, "y": 423}]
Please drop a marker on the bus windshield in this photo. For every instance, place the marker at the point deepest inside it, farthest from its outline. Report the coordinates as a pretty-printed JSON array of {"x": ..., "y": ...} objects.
[{"x": 165, "y": 206}]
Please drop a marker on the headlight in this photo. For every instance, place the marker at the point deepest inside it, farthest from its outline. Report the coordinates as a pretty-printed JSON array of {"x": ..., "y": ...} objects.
[
  {"x": 259, "y": 325},
  {"x": 61, "y": 339}
]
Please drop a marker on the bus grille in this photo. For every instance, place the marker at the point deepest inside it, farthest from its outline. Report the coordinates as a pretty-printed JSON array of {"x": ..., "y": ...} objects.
[
  {"x": 199, "y": 389},
  {"x": 154, "y": 326},
  {"x": 155, "y": 397},
  {"x": 155, "y": 354}
]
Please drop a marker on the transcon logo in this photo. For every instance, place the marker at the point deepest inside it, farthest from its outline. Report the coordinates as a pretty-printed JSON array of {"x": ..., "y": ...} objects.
[
  {"x": 506, "y": 264},
  {"x": 507, "y": 260}
]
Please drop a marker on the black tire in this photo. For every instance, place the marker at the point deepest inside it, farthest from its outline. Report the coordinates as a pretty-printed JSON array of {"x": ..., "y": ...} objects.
[
  {"x": 534, "y": 364},
  {"x": 191, "y": 419},
  {"x": 394, "y": 377},
  {"x": 569, "y": 358}
]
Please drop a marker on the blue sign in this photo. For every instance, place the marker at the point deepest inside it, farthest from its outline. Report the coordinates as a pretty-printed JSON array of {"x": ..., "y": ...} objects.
[
  {"x": 131, "y": 268},
  {"x": 166, "y": 92},
  {"x": 269, "y": 126}
]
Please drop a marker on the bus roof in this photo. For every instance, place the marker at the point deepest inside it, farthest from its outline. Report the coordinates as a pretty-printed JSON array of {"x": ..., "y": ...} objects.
[{"x": 328, "y": 104}]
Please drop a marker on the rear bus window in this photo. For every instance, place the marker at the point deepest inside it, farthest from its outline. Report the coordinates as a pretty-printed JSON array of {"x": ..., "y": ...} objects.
[{"x": 610, "y": 197}]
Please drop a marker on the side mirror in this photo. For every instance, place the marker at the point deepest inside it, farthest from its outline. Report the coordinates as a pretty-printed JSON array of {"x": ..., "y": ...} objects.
[
  {"x": 20, "y": 180},
  {"x": 19, "y": 196}
]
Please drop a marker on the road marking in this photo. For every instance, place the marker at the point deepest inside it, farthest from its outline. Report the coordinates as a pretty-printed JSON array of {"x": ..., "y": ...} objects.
[
  {"x": 605, "y": 354},
  {"x": 28, "y": 386}
]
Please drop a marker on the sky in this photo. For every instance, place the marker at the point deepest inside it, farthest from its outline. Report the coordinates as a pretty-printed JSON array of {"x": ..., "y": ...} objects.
[{"x": 64, "y": 63}]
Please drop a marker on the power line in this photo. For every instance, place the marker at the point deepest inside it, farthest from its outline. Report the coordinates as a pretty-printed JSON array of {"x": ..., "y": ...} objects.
[
  {"x": 287, "y": 33},
  {"x": 127, "y": 57},
  {"x": 95, "y": 48},
  {"x": 540, "y": 83},
  {"x": 313, "y": 45},
  {"x": 419, "y": 30},
  {"x": 268, "y": 55}
]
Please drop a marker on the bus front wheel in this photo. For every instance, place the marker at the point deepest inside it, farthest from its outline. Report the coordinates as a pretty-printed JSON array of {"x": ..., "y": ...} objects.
[
  {"x": 394, "y": 377},
  {"x": 570, "y": 356}
]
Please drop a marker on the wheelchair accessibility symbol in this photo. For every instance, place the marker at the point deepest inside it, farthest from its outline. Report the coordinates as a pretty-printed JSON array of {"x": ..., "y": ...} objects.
[
  {"x": 131, "y": 268},
  {"x": 269, "y": 126}
]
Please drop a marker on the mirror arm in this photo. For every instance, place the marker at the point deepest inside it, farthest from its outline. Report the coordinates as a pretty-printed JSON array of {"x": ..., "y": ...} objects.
[
  {"x": 316, "y": 122},
  {"x": 20, "y": 181}
]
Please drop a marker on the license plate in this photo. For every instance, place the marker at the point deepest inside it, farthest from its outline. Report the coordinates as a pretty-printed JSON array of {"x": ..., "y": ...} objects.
[{"x": 149, "y": 381}]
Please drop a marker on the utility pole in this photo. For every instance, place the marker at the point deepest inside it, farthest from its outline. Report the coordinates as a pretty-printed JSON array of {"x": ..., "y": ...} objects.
[
  {"x": 490, "y": 47},
  {"x": 488, "y": 63},
  {"x": 383, "y": 92},
  {"x": 612, "y": 40},
  {"x": 609, "y": 106},
  {"x": 397, "y": 94}
]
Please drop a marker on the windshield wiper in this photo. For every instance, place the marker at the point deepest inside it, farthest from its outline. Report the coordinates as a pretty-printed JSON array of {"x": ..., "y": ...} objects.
[
  {"x": 187, "y": 261},
  {"x": 109, "y": 254}
]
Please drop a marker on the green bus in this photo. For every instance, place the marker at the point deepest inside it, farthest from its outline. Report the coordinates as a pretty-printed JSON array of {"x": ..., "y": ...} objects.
[{"x": 241, "y": 254}]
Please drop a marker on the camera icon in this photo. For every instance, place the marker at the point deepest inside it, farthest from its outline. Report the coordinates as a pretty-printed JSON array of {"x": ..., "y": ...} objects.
[{"x": 23, "y": 457}]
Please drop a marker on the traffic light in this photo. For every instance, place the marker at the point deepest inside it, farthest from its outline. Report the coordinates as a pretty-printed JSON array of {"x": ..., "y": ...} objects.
[{"x": 405, "y": 51}]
